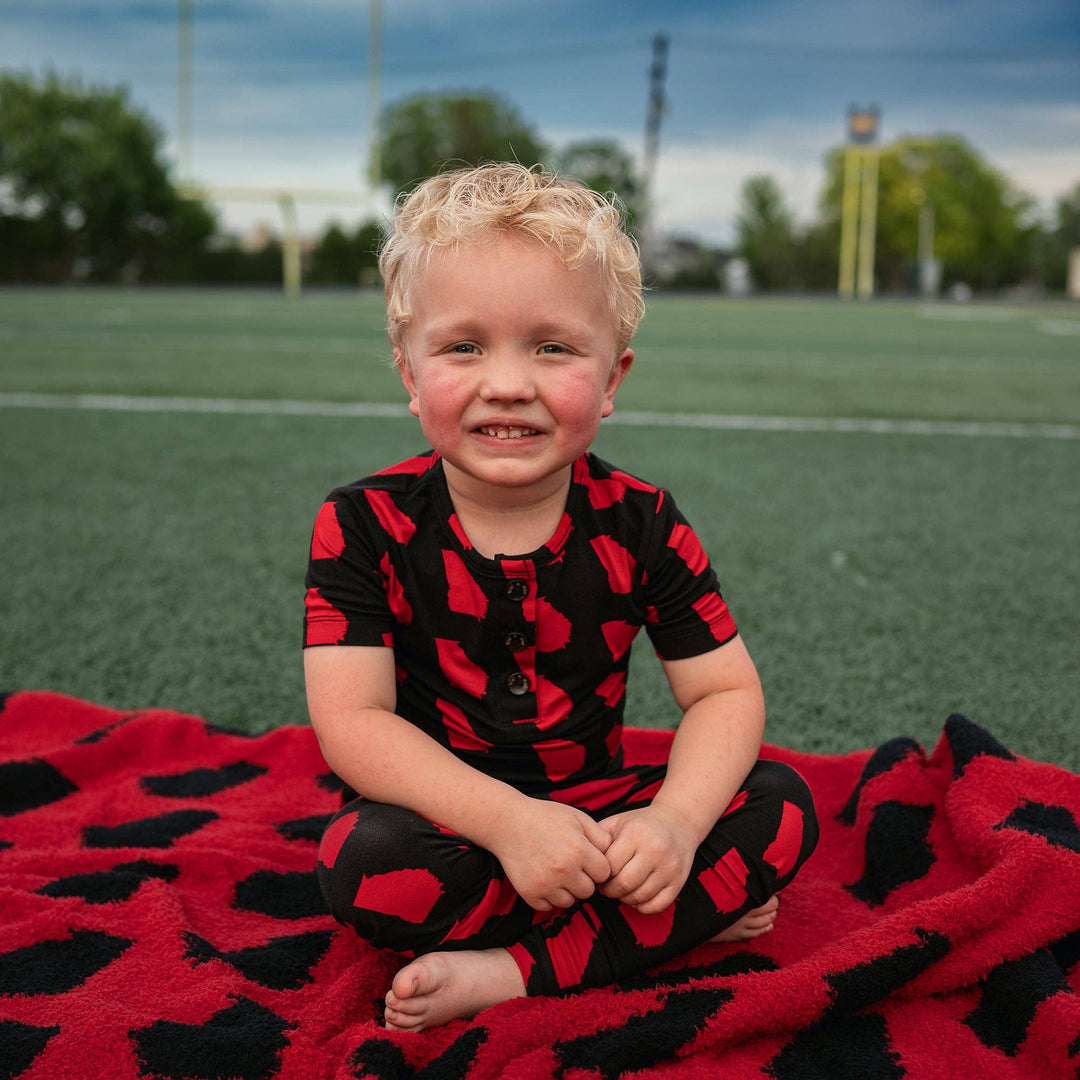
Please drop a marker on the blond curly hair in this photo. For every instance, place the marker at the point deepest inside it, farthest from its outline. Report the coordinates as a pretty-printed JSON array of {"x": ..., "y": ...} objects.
[{"x": 562, "y": 214}]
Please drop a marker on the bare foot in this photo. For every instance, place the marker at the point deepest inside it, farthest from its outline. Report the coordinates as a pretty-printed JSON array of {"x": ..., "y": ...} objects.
[
  {"x": 753, "y": 924},
  {"x": 449, "y": 985}
]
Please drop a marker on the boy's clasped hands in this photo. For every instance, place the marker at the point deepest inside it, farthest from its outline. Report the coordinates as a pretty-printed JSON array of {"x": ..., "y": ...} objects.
[{"x": 556, "y": 855}]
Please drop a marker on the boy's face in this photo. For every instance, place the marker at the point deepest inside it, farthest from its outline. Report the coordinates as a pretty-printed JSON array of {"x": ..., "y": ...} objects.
[{"x": 510, "y": 363}]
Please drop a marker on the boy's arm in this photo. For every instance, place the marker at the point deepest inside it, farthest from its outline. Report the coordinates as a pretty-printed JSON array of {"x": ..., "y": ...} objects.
[
  {"x": 714, "y": 749},
  {"x": 553, "y": 854}
]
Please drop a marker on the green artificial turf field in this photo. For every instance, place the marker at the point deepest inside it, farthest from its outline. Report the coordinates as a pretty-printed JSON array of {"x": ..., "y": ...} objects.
[{"x": 881, "y": 580}]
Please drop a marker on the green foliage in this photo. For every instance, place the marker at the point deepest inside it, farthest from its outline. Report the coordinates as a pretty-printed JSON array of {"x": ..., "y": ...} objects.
[
  {"x": 86, "y": 192},
  {"x": 424, "y": 133},
  {"x": 781, "y": 253},
  {"x": 765, "y": 231},
  {"x": 1068, "y": 217},
  {"x": 1054, "y": 243},
  {"x": 343, "y": 259},
  {"x": 228, "y": 263},
  {"x": 982, "y": 229},
  {"x": 604, "y": 166}
]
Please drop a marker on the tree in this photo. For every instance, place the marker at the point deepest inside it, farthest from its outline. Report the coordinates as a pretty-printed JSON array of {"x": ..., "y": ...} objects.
[
  {"x": 423, "y": 133},
  {"x": 1055, "y": 239},
  {"x": 982, "y": 225},
  {"x": 1068, "y": 217},
  {"x": 84, "y": 189},
  {"x": 765, "y": 234},
  {"x": 604, "y": 166},
  {"x": 341, "y": 259}
]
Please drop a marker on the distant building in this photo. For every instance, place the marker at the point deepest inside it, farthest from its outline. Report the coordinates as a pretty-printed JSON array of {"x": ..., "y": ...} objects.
[{"x": 683, "y": 262}]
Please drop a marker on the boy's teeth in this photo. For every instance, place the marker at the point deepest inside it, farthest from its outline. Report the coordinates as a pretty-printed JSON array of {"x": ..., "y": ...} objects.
[{"x": 507, "y": 433}]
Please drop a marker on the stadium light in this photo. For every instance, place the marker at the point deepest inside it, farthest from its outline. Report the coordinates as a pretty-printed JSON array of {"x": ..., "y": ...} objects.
[{"x": 858, "y": 217}]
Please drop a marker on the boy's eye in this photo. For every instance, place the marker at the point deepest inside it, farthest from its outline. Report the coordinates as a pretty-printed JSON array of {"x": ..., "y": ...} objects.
[
  {"x": 464, "y": 347},
  {"x": 552, "y": 347}
]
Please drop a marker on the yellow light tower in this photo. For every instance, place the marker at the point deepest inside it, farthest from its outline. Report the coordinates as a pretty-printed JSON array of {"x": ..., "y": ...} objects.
[{"x": 858, "y": 216}]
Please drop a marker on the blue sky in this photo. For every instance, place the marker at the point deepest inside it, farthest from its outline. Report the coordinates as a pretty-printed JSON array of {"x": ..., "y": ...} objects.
[{"x": 753, "y": 85}]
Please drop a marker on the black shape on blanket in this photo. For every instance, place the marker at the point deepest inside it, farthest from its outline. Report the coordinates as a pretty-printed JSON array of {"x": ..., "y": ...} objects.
[{"x": 243, "y": 1041}]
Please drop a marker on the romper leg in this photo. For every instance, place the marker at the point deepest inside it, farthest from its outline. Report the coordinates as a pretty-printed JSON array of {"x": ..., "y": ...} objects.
[
  {"x": 405, "y": 884},
  {"x": 754, "y": 850}
]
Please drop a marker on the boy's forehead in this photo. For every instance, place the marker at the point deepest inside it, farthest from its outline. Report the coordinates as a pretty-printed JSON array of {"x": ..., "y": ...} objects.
[{"x": 506, "y": 249}]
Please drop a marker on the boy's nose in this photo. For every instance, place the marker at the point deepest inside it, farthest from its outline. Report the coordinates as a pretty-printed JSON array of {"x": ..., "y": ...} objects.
[{"x": 507, "y": 378}]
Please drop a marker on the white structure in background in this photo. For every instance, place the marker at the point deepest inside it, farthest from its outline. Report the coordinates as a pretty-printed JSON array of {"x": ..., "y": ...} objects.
[{"x": 737, "y": 277}]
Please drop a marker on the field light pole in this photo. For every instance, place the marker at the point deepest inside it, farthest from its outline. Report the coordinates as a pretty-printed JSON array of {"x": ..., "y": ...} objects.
[
  {"x": 849, "y": 215},
  {"x": 374, "y": 89},
  {"x": 653, "y": 117},
  {"x": 868, "y": 222},
  {"x": 858, "y": 215},
  {"x": 184, "y": 36}
]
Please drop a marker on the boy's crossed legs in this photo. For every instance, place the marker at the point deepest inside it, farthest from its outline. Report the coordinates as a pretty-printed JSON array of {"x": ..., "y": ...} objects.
[
  {"x": 406, "y": 884},
  {"x": 442, "y": 986}
]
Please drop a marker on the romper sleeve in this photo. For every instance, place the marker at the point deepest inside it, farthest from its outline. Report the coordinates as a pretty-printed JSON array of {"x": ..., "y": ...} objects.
[
  {"x": 346, "y": 601},
  {"x": 685, "y": 612}
]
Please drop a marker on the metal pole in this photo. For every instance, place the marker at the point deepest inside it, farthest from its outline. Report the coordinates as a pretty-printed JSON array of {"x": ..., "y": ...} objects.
[
  {"x": 849, "y": 217},
  {"x": 653, "y": 116},
  {"x": 926, "y": 248},
  {"x": 868, "y": 223},
  {"x": 184, "y": 38},
  {"x": 290, "y": 245},
  {"x": 374, "y": 90}
]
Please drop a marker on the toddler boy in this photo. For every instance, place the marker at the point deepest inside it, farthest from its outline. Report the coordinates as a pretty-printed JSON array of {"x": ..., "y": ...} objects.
[{"x": 481, "y": 599}]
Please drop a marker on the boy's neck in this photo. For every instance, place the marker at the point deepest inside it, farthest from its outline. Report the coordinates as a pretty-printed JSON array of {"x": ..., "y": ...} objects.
[{"x": 507, "y": 521}]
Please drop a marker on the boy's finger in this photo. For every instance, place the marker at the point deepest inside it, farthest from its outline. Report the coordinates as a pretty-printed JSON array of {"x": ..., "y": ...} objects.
[
  {"x": 629, "y": 879},
  {"x": 597, "y": 835},
  {"x": 648, "y": 901},
  {"x": 597, "y": 867},
  {"x": 583, "y": 888}
]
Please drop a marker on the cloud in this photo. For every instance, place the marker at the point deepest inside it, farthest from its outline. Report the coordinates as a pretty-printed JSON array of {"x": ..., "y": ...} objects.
[{"x": 697, "y": 186}]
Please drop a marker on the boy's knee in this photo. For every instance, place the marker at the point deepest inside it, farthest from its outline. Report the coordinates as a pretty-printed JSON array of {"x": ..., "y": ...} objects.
[
  {"x": 773, "y": 825},
  {"x": 793, "y": 817},
  {"x": 398, "y": 880},
  {"x": 780, "y": 782},
  {"x": 360, "y": 853}
]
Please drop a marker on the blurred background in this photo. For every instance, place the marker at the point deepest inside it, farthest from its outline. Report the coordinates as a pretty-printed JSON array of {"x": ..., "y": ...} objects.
[
  {"x": 152, "y": 140},
  {"x": 859, "y": 369}
]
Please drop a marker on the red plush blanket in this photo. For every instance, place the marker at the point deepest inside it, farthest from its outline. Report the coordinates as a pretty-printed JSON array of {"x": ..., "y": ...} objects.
[{"x": 160, "y": 918}]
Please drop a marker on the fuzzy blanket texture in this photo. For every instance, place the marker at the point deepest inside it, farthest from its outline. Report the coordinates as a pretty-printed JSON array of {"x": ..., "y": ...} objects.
[{"x": 160, "y": 917}]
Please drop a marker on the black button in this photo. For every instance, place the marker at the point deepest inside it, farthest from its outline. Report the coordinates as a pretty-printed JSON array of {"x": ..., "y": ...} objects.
[
  {"x": 517, "y": 589},
  {"x": 515, "y": 642},
  {"x": 518, "y": 683}
]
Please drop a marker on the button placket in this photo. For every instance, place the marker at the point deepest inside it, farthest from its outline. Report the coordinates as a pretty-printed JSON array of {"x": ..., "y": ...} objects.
[{"x": 517, "y": 590}]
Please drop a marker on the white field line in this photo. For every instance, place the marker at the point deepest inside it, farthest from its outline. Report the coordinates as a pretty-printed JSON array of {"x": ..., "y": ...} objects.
[
  {"x": 625, "y": 418},
  {"x": 1060, "y": 327}
]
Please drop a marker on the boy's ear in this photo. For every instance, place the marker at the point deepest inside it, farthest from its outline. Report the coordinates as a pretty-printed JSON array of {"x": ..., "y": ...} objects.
[
  {"x": 618, "y": 373},
  {"x": 401, "y": 362}
]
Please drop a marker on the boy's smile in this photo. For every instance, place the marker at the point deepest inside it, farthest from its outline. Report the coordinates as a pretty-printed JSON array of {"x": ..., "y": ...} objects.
[{"x": 510, "y": 363}]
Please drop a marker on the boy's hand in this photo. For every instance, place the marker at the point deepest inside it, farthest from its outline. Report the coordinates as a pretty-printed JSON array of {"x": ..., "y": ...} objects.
[
  {"x": 553, "y": 854},
  {"x": 650, "y": 856}
]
